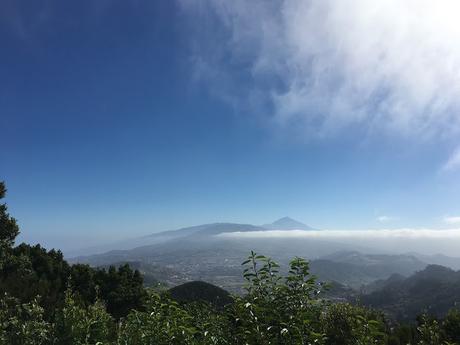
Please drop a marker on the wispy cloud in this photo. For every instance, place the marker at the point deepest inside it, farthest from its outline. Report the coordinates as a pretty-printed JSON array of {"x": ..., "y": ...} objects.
[
  {"x": 325, "y": 65},
  {"x": 386, "y": 219},
  {"x": 453, "y": 163},
  {"x": 452, "y": 220}
]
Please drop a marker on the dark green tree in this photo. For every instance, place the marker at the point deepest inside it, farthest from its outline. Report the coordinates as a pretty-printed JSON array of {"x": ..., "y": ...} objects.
[
  {"x": 9, "y": 229},
  {"x": 121, "y": 289},
  {"x": 451, "y": 326}
]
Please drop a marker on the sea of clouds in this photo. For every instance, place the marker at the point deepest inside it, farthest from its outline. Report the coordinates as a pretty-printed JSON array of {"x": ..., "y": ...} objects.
[{"x": 423, "y": 241}]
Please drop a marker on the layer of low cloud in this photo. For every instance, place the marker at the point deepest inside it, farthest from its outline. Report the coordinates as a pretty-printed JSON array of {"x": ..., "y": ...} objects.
[
  {"x": 422, "y": 241},
  {"x": 325, "y": 65},
  {"x": 351, "y": 234}
]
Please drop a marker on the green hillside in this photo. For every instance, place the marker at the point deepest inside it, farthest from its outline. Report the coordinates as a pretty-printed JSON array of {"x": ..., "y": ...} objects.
[
  {"x": 433, "y": 290},
  {"x": 198, "y": 291}
]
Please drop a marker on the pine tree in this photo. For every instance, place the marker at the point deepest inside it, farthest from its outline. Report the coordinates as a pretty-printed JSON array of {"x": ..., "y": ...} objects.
[{"x": 9, "y": 229}]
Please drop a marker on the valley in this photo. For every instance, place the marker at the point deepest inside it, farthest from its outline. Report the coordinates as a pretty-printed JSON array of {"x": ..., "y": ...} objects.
[{"x": 354, "y": 272}]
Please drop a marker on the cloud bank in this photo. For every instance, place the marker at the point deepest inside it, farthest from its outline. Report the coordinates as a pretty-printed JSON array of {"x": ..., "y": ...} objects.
[
  {"x": 423, "y": 241},
  {"x": 325, "y": 65},
  {"x": 350, "y": 234}
]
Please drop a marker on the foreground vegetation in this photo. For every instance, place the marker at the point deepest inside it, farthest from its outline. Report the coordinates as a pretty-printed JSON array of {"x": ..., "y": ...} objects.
[{"x": 46, "y": 301}]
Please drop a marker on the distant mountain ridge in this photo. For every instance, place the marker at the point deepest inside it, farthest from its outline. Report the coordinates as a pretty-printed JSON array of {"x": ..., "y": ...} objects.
[
  {"x": 434, "y": 290},
  {"x": 202, "y": 230},
  {"x": 197, "y": 253},
  {"x": 439, "y": 259},
  {"x": 354, "y": 269},
  {"x": 287, "y": 223},
  {"x": 404, "y": 264},
  {"x": 207, "y": 229}
]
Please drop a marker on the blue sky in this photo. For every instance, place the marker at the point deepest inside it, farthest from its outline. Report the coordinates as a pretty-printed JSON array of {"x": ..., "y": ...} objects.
[{"x": 125, "y": 118}]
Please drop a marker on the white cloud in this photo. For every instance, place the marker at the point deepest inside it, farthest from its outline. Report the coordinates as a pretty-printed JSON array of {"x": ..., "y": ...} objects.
[
  {"x": 453, "y": 163},
  {"x": 452, "y": 220},
  {"x": 385, "y": 219},
  {"x": 407, "y": 240},
  {"x": 325, "y": 64},
  {"x": 350, "y": 234}
]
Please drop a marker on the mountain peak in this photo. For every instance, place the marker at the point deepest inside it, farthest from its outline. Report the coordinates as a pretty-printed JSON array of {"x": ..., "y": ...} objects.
[{"x": 287, "y": 223}]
